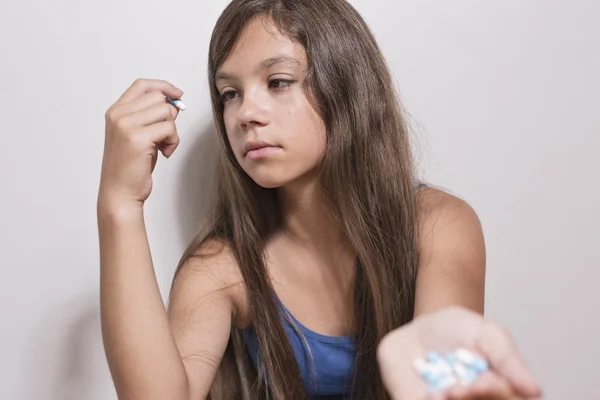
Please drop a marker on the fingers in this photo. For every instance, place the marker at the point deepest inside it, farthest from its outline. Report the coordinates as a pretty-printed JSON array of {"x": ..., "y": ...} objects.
[
  {"x": 164, "y": 135},
  {"x": 148, "y": 100},
  {"x": 488, "y": 386},
  {"x": 498, "y": 348},
  {"x": 155, "y": 113},
  {"x": 144, "y": 112},
  {"x": 142, "y": 86},
  {"x": 145, "y": 101}
]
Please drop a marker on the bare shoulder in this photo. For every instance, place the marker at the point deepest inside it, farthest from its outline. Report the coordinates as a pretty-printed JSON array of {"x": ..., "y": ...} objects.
[
  {"x": 214, "y": 260},
  {"x": 451, "y": 253},
  {"x": 213, "y": 273},
  {"x": 439, "y": 210}
]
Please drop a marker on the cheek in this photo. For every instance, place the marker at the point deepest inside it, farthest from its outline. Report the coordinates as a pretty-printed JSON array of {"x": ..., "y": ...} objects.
[
  {"x": 230, "y": 128},
  {"x": 311, "y": 132}
]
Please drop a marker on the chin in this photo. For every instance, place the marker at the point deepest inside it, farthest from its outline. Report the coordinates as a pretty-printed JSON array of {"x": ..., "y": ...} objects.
[
  {"x": 269, "y": 176},
  {"x": 274, "y": 175},
  {"x": 268, "y": 182}
]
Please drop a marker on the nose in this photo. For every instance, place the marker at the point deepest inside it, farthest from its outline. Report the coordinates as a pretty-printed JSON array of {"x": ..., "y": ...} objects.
[{"x": 252, "y": 111}]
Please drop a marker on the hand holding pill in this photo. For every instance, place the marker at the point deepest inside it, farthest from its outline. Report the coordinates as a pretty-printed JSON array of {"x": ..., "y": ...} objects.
[
  {"x": 453, "y": 354},
  {"x": 137, "y": 126}
]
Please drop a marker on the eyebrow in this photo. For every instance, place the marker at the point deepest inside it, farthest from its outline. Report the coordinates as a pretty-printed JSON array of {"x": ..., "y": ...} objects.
[{"x": 268, "y": 63}]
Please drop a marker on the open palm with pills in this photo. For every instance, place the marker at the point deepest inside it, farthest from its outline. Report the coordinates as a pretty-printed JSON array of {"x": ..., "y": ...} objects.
[{"x": 454, "y": 354}]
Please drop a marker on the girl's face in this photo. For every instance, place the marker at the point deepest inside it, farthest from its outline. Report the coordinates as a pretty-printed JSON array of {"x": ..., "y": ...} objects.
[{"x": 275, "y": 133}]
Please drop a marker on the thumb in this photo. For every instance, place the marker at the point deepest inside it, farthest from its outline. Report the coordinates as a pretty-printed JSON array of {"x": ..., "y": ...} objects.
[{"x": 497, "y": 346}]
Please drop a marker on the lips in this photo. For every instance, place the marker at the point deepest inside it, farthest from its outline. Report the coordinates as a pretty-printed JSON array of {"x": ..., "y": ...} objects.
[{"x": 255, "y": 145}]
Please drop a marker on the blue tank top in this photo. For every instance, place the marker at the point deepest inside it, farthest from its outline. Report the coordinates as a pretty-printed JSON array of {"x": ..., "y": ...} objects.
[
  {"x": 325, "y": 362},
  {"x": 328, "y": 373}
]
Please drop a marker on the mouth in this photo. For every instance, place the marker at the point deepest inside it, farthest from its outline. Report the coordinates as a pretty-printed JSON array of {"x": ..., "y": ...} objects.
[{"x": 256, "y": 149}]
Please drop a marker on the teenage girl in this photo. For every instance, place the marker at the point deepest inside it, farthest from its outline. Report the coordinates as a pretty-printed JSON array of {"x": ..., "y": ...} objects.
[{"x": 325, "y": 267}]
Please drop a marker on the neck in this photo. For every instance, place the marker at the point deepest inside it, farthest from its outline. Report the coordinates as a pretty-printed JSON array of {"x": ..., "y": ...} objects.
[
  {"x": 326, "y": 256},
  {"x": 305, "y": 220}
]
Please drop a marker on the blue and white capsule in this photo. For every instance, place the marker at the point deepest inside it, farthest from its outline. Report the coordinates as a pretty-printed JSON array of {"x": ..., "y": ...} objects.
[{"x": 177, "y": 103}]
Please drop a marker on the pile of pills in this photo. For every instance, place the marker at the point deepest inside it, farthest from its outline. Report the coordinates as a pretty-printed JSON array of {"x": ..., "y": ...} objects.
[{"x": 442, "y": 371}]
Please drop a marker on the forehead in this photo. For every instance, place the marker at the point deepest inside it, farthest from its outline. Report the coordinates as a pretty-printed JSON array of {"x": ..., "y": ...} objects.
[{"x": 261, "y": 41}]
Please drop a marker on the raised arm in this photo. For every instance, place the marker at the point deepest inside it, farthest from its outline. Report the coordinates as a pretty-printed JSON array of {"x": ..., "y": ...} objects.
[{"x": 142, "y": 341}]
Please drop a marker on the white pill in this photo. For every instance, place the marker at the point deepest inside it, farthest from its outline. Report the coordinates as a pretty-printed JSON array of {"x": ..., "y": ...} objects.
[
  {"x": 442, "y": 366},
  {"x": 472, "y": 360},
  {"x": 465, "y": 375},
  {"x": 444, "y": 383},
  {"x": 421, "y": 366},
  {"x": 465, "y": 356}
]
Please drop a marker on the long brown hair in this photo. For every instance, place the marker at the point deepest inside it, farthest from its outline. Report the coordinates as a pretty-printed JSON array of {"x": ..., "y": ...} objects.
[{"x": 366, "y": 175}]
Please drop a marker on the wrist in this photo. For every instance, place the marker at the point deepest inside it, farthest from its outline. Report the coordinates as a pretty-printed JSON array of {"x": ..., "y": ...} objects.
[{"x": 114, "y": 209}]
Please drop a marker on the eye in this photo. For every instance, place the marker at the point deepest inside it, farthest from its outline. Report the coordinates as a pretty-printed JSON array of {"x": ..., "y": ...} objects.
[
  {"x": 228, "y": 95},
  {"x": 280, "y": 83}
]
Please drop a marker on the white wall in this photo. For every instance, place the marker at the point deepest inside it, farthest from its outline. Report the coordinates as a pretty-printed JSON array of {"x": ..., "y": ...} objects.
[{"x": 504, "y": 97}]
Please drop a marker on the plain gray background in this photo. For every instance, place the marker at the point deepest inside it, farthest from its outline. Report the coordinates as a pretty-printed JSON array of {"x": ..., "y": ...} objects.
[{"x": 503, "y": 98}]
